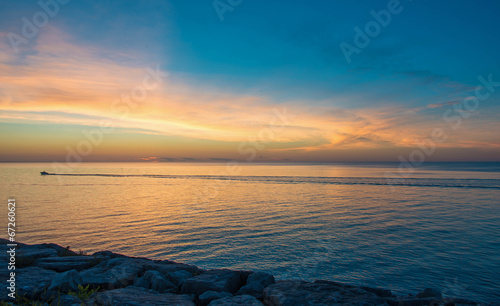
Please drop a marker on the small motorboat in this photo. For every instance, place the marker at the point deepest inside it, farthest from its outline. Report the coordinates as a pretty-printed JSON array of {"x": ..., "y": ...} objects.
[{"x": 44, "y": 173}]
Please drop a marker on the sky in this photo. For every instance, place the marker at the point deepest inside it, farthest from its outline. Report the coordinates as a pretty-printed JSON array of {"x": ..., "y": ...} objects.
[{"x": 251, "y": 81}]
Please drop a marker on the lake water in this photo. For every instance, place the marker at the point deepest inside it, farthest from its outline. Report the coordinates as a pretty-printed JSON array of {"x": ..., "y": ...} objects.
[{"x": 440, "y": 227}]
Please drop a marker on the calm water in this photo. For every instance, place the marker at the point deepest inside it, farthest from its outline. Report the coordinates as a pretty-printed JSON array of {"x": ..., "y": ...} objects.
[{"x": 438, "y": 228}]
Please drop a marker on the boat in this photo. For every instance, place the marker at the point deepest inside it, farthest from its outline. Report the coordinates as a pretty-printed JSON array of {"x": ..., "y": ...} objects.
[{"x": 44, "y": 173}]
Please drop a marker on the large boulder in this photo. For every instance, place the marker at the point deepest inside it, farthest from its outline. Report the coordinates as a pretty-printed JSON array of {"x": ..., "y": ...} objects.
[
  {"x": 66, "y": 281},
  {"x": 178, "y": 277},
  {"x": 136, "y": 296},
  {"x": 31, "y": 282},
  {"x": 238, "y": 300},
  {"x": 66, "y": 263},
  {"x": 166, "y": 267},
  {"x": 154, "y": 280},
  {"x": 221, "y": 280},
  {"x": 253, "y": 289},
  {"x": 209, "y": 296},
  {"x": 375, "y": 290},
  {"x": 292, "y": 292},
  {"x": 255, "y": 284},
  {"x": 429, "y": 293},
  {"x": 27, "y": 255},
  {"x": 114, "y": 273}
]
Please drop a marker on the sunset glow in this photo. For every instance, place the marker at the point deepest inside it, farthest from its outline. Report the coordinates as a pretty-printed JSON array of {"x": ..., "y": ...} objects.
[{"x": 167, "y": 96}]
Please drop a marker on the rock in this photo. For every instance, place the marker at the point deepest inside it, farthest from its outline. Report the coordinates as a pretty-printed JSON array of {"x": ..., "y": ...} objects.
[
  {"x": 31, "y": 282},
  {"x": 293, "y": 292},
  {"x": 262, "y": 278},
  {"x": 214, "y": 280},
  {"x": 256, "y": 282},
  {"x": 108, "y": 254},
  {"x": 209, "y": 296},
  {"x": 49, "y": 296},
  {"x": 165, "y": 268},
  {"x": 141, "y": 282},
  {"x": 67, "y": 300},
  {"x": 27, "y": 255},
  {"x": 429, "y": 293},
  {"x": 253, "y": 289},
  {"x": 66, "y": 281},
  {"x": 154, "y": 280},
  {"x": 113, "y": 273},
  {"x": 414, "y": 302},
  {"x": 66, "y": 263},
  {"x": 377, "y": 291},
  {"x": 178, "y": 277},
  {"x": 138, "y": 296},
  {"x": 237, "y": 300}
]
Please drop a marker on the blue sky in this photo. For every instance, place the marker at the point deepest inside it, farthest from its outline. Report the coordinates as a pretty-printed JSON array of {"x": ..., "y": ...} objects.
[{"x": 273, "y": 54}]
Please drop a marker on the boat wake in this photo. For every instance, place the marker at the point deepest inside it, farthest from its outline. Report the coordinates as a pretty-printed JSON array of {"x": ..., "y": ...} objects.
[{"x": 411, "y": 182}]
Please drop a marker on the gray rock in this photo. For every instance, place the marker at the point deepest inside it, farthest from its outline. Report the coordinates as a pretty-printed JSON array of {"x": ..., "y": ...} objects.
[
  {"x": 66, "y": 281},
  {"x": 113, "y": 273},
  {"x": 213, "y": 280},
  {"x": 165, "y": 268},
  {"x": 67, "y": 300},
  {"x": 136, "y": 296},
  {"x": 178, "y": 277},
  {"x": 66, "y": 263},
  {"x": 209, "y": 296},
  {"x": 429, "y": 293},
  {"x": 49, "y": 296},
  {"x": 108, "y": 254},
  {"x": 377, "y": 291},
  {"x": 237, "y": 300},
  {"x": 154, "y": 280},
  {"x": 256, "y": 282},
  {"x": 31, "y": 282},
  {"x": 414, "y": 302},
  {"x": 253, "y": 289},
  {"x": 27, "y": 255},
  {"x": 141, "y": 282},
  {"x": 293, "y": 292},
  {"x": 262, "y": 278}
]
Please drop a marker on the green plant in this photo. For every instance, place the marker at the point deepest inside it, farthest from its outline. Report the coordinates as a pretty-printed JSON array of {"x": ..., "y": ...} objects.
[{"x": 84, "y": 292}]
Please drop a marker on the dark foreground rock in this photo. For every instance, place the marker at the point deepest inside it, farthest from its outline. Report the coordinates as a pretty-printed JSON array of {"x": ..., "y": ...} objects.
[
  {"x": 294, "y": 292},
  {"x": 214, "y": 280},
  {"x": 236, "y": 301},
  {"x": 209, "y": 296},
  {"x": 66, "y": 263},
  {"x": 136, "y": 296},
  {"x": 33, "y": 281},
  {"x": 113, "y": 273},
  {"x": 48, "y": 274}
]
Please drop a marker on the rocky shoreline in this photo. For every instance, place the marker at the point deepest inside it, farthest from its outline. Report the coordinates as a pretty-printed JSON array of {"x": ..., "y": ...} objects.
[{"x": 49, "y": 274}]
